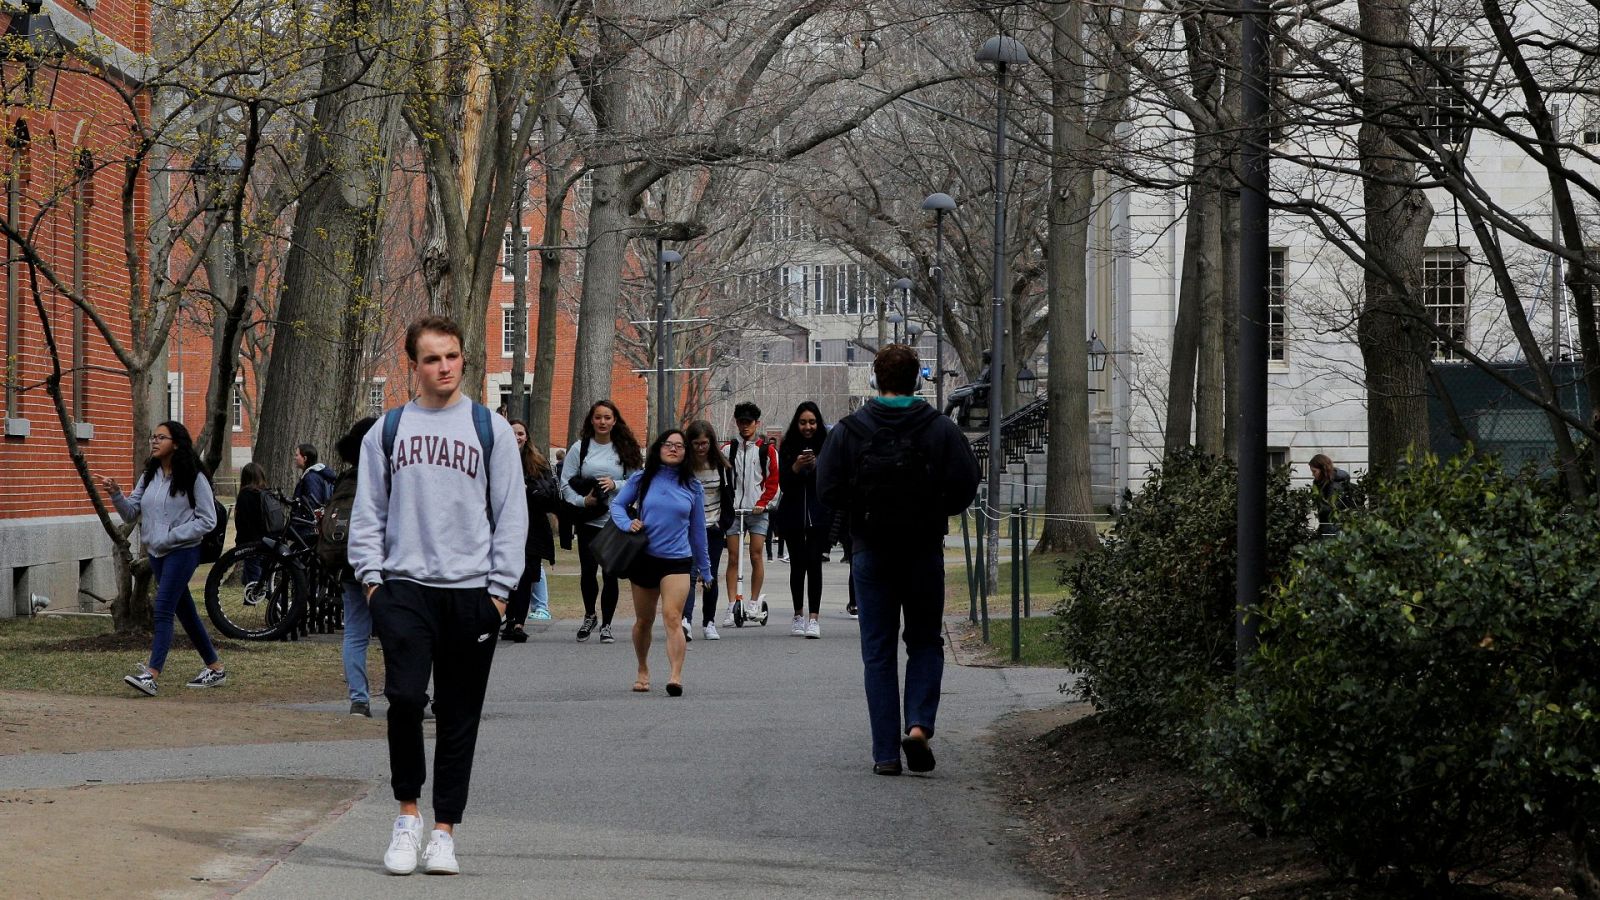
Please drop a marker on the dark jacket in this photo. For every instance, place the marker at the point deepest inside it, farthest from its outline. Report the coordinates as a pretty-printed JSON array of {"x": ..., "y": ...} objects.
[
  {"x": 1331, "y": 496},
  {"x": 801, "y": 507},
  {"x": 543, "y": 497},
  {"x": 316, "y": 486},
  {"x": 247, "y": 517},
  {"x": 955, "y": 469}
]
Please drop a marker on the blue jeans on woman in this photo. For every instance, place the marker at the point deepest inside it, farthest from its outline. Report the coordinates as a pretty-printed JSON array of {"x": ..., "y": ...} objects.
[
  {"x": 891, "y": 584},
  {"x": 172, "y": 573},
  {"x": 715, "y": 544},
  {"x": 357, "y": 635},
  {"x": 541, "y": 591}
]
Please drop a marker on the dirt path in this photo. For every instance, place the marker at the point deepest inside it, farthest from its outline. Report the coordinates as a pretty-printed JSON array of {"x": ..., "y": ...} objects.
[{"x": 61, "y": 723}]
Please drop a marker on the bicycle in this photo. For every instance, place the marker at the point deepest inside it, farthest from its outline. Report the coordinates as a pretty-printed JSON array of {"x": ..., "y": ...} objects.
[{"x": 290, "y": 596}]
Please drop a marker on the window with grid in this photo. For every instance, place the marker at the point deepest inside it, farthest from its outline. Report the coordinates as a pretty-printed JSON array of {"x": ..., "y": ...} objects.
[
  {"x": 1444, "y": 293},
  {"x": 375, "y": 398},
  {"x": 1277, "y": 281},
  {"x": 238, "y": 405},
  {"x": 508, "y": 330},
  {"x": 508, "y": 253},
  {"x": 1447, "y": 113}
]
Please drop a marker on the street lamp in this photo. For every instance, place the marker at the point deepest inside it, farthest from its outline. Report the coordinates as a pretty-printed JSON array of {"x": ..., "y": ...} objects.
[
  {"x": 665, "y": 260},
  {"x": 1003, "y": 52},
  {"x": 904, "y": 287},
  {"x": 940, "y": 204},
  {"x": 1097, "y": 352},
  {"x": 1027, "y": 382}
]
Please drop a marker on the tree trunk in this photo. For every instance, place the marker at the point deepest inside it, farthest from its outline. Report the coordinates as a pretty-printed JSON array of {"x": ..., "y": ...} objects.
[
  {"x": 1211, "y": 376},
  {"x": 1185, "y": 338},
  {"x": 544, "y": 361},
  {"x": 1067, "y": 473},
  {"x": 602, "y": 285},
  {"x": 327, "y": 280},
  {"x": 1396, "y": 346},
  {"x": 1230, "y": 322}
]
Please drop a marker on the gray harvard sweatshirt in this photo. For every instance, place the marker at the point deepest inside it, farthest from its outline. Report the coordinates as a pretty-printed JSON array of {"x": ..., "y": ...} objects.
[{"x": 430, "y": 525}]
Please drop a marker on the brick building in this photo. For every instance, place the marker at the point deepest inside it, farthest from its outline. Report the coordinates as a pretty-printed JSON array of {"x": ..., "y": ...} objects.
[{"x": 63, "y": 180}]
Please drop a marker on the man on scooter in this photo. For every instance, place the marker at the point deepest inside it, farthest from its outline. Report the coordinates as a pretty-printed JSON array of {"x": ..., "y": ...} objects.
[{"x": 754, "y": 463}]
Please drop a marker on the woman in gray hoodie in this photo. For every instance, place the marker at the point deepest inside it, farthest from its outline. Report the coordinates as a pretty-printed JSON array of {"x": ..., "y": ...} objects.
[{"x": 175, "y": 507}]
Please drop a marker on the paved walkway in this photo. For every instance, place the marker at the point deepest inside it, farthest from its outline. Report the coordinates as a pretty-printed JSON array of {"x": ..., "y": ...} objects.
[{"x": 758, "y": 782}]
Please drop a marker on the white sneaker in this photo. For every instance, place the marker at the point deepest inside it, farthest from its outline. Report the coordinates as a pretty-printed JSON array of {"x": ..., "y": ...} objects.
[
  {"x": 710, "y": 632},
  {"x": 440, "y": 856},
  {"x": 727, "y": 620},
  {"x": 798, "y": 627},
  {"x": 401, "y": 858},
  {"x": 813, "y": 630},
  {"x": 688, "y": 631}
]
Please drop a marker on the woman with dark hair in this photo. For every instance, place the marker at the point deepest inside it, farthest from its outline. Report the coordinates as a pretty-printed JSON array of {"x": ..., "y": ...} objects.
[
  {"x": 801, "y": 517},
  {"x": 357, "y": 610},
  {"x": 176, "y": 509},
  {"x": 666, "y": 502},
  {"x": 248, "y": 516},
  {"x": 539, "y": 481},
  {"x": 710, "y": 467},
  {"x": 605, "y": 454}
]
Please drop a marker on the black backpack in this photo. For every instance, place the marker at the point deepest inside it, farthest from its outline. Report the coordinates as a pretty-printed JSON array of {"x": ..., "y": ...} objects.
[
  {"x": 211, "y": 544},
  {"x": 333, "y": 531},
  {"x": 894, "y": 489},
  {"x": 274, "y": 514}
]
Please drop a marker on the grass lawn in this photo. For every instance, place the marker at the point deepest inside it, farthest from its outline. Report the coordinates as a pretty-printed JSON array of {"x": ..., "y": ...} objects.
[
  {"x": 81, "y": 655},
  {"x": 1044, "y": 569},
  {"x": 1037, "y": 648}
]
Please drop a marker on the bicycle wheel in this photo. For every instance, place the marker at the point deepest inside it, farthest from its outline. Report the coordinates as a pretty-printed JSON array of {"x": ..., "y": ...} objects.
[{"x": 260, "y": 611}]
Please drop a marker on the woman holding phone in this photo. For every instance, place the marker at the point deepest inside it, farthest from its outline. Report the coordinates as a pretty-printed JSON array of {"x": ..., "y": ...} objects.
[{"x": 801, "y": 517}]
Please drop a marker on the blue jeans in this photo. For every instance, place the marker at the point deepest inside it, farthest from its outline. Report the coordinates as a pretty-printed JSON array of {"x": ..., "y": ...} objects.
[
  {"x": 891, "y": 585},
  {"x": 716, "y": 542},
  {"x": 541, "y": 591},
  {"x": 357, "y": 635},
  {"x": 172, "y": 573}
]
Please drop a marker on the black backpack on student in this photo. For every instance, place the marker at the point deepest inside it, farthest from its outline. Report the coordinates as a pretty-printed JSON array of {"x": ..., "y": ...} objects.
[
  {"x": 895, "y": 493},
  {"x": 211, "y": 544},
  {"x": 333, "y": 531}
]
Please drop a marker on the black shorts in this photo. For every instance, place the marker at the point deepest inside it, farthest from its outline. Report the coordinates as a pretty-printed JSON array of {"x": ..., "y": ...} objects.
[{"x": 647, "y": 571}]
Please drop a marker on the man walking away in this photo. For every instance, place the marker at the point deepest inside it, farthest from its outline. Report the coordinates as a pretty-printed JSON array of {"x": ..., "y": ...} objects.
[
  {"x": 900, "y": 470},
  {"x": 753, "y": 464},
  {"x": 436, "y": 540}
]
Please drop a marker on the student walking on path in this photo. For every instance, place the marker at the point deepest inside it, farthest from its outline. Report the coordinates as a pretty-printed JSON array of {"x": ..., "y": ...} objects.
[
  {"x": 802, "y": 518},
  {"x": 357, "y": 612},
  {"x": 667, "y": 503},
  {"x": 539, "y": 482},
  {"x": 173, "y": 502},
  {"x": 595, "y": 467},
  {"x": 437, "y": 536},
  {"x": 900, "y": 470},
  {"x": 711, "y": 470},
  {"x": 753, "y": 461}
]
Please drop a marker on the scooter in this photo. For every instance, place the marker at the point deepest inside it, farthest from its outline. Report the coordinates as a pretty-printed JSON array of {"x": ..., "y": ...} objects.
[{"x": 741, "y": 610}]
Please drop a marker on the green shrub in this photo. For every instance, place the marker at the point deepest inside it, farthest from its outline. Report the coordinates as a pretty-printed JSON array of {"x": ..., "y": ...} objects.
[
  {"x": 1423, "y": 701},
  {"x": 1148, "y": 623}
]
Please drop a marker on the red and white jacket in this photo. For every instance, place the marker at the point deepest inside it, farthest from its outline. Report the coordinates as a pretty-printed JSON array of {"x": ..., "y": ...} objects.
[{"x": 755, "y": 471}]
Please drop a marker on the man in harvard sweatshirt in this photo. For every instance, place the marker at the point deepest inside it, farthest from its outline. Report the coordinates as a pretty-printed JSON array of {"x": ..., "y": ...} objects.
[{"x": 436, "y": 539}]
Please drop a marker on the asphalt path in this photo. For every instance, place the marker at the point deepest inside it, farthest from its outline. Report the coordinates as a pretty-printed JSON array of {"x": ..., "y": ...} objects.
[{"x": 757, "y": 782}]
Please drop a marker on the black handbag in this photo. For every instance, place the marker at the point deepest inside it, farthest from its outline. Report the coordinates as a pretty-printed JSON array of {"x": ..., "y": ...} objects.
[{"x": 618, "y": 550}]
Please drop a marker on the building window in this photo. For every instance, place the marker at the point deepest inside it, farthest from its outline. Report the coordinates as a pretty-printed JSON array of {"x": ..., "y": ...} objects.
[
  {"x": 849, "y": 352},
  {"x": 375, "y": 397},
  {"x": 175, "y": 396},
  {"x": 1447, "y": 113},
  {"x": 1277, "y": 458},
  {"x": 1444, "y": 293},
  {"x": 508, "y": 330},
  {"x": 16, "y": 182},
  {"x": 764, "y": 354},
  {"x": 82, "y": 202},
  {"x": 508, "y": 253},
  {"x": 1277, "y": 280},
  {"x": 237, "y": 403},
  {"x": 816, "y": 351}
]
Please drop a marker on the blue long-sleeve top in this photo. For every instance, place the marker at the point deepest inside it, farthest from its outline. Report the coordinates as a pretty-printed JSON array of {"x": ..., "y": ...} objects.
[{"x": 674, "y": 516}]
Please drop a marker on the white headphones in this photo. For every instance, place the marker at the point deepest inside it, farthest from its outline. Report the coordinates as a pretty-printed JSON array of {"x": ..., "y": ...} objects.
[{"x": 872, "y": 381}]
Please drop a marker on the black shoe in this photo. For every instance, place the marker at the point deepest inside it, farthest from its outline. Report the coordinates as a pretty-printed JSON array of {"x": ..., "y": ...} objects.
[
  {"x": 888, "y": 768},
  {"x": 919, "y": 756},
  {"x": 674, "y": 689},
  {"x": 590, "y": 623},
  {"x": 358, "y": 708},
  {"x": 851, "y": 611}
]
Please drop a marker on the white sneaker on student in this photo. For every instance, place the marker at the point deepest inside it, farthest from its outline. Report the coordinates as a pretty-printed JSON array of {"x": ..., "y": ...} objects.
[
  {"x": 711, "y": 632},
  {"x": 727, "y": 619},
  {"x": 401, "y": 858},
  {"x": 440, "y": 856},
  {"x": 813, "y": 630},
  {"x": 798, "y": 627}
]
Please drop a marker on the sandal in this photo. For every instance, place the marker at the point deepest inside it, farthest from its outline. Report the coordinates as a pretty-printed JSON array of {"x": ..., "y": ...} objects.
[{"x": 641, "y": 687}]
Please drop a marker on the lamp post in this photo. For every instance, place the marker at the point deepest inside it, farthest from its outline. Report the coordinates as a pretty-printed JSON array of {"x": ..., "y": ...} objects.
[
  {"x": 940, "y": 204},
  {"x": 1003, "y": 52},
  {"x": 665, "y": 260}
]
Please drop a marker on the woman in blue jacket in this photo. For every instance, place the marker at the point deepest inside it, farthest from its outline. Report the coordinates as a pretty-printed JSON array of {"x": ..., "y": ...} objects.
[
  {"x": 175, "y": 507},
  {"x": 666, "y": 502}
]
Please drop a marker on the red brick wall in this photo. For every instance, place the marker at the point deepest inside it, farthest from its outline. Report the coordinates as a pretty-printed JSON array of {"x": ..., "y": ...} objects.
[{"x": 36, "y": 478}]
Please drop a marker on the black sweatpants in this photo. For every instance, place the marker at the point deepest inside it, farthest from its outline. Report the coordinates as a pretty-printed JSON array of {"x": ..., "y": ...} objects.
[
  {"x": 806, "y": 546},
  {"x": 604, "y": 587},
  {"x": 449, "y": 634}
]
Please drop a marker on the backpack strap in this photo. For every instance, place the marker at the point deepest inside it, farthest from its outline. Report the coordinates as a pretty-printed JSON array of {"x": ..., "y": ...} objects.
[
  {"x": 391, "y": 428},
  {"x": 485, "y": 428}
]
